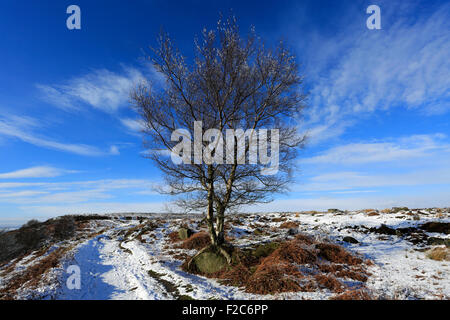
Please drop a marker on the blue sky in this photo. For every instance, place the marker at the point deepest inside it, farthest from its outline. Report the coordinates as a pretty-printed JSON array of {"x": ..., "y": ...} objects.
[{"x": 378, "y": 115}]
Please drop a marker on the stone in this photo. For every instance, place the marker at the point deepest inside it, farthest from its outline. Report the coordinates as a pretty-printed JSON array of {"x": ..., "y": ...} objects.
[
  {"x": 438, "y": 241},
  {"x": 350, "y": 240},
  {"x": 185, "y": 233},
  {"x": 210, "y": 261}
]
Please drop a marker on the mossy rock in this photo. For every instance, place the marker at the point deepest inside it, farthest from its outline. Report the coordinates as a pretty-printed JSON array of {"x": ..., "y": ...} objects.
[
  {"x": 438, "y": 241},
  {"x": 263, "y": 250},
  {"x": 185, "y": 233},
  {"x": 349, "y": 239},
  {"x": 210, "y": 261},
  {"x": 258, "y": 232}
]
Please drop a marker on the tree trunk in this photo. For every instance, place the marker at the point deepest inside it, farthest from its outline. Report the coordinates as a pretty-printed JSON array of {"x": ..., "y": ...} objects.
[
  {"x": 210, "y": 209},
  {"x": 220, "y": 225}
]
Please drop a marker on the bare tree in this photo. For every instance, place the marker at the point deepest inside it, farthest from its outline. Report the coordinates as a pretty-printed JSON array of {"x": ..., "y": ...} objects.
[{"x": 232, "y": 83}]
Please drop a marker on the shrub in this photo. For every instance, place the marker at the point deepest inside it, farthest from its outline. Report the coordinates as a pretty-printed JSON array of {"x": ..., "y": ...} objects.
[
  {"x": 289, "y": 224},
  {"x": 64, "y": 228},
  {"x": 294, "y": 252},
  {"x": 303, "y": 238},
  {"x": 30, "y": 223},
  {"x": 197, "y": 241},
  {"x": 7, "y": 242},
  {"x": 289, "y": 266},
  {"x": 439, "y": 254},
  {"x": 274, "y": 277},
  {"x": 174, "y": 236},
  {"x": 329, "y": 282},
  {"x": 237, "y": 276},
  {"x": 359, "y": 294},
  {"x": 33, "y": 274},
  {"x": 30, "y": 237},
  {"x": 337, "y": 254}
]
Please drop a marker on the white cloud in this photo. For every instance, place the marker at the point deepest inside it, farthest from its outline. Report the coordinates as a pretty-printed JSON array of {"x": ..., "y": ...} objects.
[
  {"x": 415, "y": 146},
  {"x": 417, "y": 160},
  {"x": 114, "y": 150},
  {"x": 35, "y": 172},
  {"x": 100, "y": 89},
  {"x": 99, "y": 207},
  {"x": 21, "y": 194},
  {"x": 72, "y": 192},
  {"x": 350, "y": 180},
  {"x": 404, "y": 65},
  {"x": 134, "y": 125},
  {"x": 23, "y": 128}
]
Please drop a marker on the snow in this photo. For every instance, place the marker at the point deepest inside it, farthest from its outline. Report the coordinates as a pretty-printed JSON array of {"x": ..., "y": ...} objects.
[{"x": 118, "y": 266}]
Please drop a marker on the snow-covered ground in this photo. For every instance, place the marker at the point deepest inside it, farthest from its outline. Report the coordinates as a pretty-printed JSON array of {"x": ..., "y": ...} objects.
[{"x": 123, "y": 262}]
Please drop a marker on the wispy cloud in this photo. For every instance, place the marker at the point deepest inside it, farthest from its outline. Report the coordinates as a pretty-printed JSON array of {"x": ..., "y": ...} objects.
[
  {"x": 406, "y": 148},
  {"x": 23, "y": 128},
  {"x": 134, "y": 125},
  {"x": 35, "y": 172},
  {"x": 404, "y": 65},
  {"x": 72, "y": 192},
  {"x": 21, "y": 194},
  {"x": 351, "y": 180},
  {"x": 416, "y": 160},
  {"x": 96, "y": 207},
  {"x": 100, "y": 89}
]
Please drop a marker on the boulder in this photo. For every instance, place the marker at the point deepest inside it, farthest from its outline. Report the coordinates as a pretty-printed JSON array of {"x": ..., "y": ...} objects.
[
  {"x": 292, "y": 231},
  {"x": 438, "y": 241},
  {"x": 185, "y": 233},
  {"x": 210, "y": 261},
  {"x": 440, "y": 227},
  {"x": 350, "y": 240},
  {"x": 398, "y": 209},
  {"x": 383, "y": 229}
]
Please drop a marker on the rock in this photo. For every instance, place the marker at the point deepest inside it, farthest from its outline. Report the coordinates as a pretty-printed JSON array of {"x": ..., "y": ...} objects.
[
  {"x": 185, "y": 233},
  {"x": 397, "y": 209},
  {"x": 263, "y": 250},
  {"x": 440, "y": 227},
  {"x": 416, "y": 217},
  {"x": 384, "y": 229},
  {"x": 438, "y": 241},
  {"x": 373, "y": 213},
  {"x": 350, "y": 240},
  {"x": 292, "y": 231},
  {"x": 258, "y": 232},
  {"x": 335, "y": 211},
  {"x": 210, "y": 261},
  {"x": 417, "y": 238}
]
